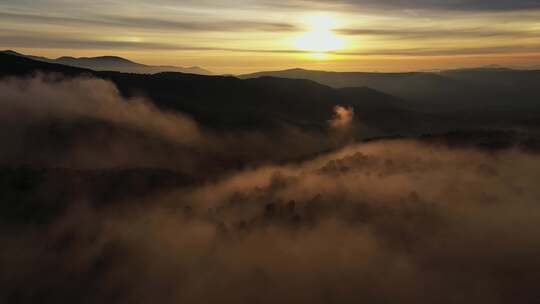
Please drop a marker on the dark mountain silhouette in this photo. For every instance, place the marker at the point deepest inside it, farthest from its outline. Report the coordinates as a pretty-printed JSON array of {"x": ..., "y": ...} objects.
[
  {"x": 230, "y": 102},
  {"x": 501, "y": 78},
  {"x": 412, "y": 85},
  {"x": 113, "y": 63},
  {"x": 436, "y": 103},
  {"x": 488, "y": 88}
]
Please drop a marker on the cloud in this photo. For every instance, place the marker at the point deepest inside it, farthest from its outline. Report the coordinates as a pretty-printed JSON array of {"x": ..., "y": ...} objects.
[
  {"x": 85, "y": 123},
  {"x": 452, "y": 5},
  {"x": 464, "y": 33},
  {"x": 219, "y": 26},
  {"x": 493, "y": 25},
  {"x": 394, "y": 220},
  {"x": 343, "y": 117},
  {"x": 399, "y": 221},
  {"x": 32, "y": 40},
  {"x": 506, "y": 49},
  {"x": 91, "y": 98},
  {"x": 53, "y": 121},
  {"x": 155, "y": 23}
]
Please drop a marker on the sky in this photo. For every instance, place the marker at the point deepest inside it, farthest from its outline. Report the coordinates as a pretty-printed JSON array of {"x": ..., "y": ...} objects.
[{"x": 241, "y": 36}]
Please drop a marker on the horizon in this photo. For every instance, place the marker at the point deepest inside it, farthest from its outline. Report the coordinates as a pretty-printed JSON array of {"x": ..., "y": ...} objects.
[
  {"x": 236, "y": 38},
  {"x": 432, "y": 70}
]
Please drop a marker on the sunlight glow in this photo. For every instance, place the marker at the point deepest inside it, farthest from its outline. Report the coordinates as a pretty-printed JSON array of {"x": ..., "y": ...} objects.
[
  {"x": 319, "y": 56},
  {"x": 319, "y": 38}
]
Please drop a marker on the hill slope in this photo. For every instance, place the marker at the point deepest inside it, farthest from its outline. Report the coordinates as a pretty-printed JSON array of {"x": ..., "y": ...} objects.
[
  {"x": 229, "y": 102},
  {"x": 492, "y": 89}
]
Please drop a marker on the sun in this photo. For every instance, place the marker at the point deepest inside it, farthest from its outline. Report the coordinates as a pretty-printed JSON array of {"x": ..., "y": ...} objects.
[{"x": 319, "y": 38}]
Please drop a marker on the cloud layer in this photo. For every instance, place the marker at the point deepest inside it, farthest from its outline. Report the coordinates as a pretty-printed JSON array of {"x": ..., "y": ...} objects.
[
  {"x": 85, "y": 123},
  {"x": 457, "y": 5},
  {"x": 395, "y": 221}
]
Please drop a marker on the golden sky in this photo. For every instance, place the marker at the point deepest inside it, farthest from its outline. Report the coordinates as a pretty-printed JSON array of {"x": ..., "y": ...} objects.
[{"x": 240, "y": 36}]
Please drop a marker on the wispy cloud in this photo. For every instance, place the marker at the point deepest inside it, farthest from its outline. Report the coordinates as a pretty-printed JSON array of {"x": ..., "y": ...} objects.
[
  {"x": 155, "y": 23},
  {"x": 446, "y": 51},
  {"x": 425, "y": 33},
  {"x": 452, "y": 5},
  {"x": 43, "y": 42},
  {"x": 38, "y": 42}
]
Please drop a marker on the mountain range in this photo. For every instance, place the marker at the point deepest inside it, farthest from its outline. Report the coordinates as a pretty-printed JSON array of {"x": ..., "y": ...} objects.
[
  {"x": 113, "y": 63},
  {"x": 229, "y": 102},
  {"x": 487, "y": 88},
  {"x": 385, "y": 104}
]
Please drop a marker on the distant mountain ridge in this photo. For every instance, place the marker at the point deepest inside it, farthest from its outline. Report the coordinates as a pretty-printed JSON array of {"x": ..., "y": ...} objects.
[
  {"x": 113, "y": 63},
  {"x": 222, "y": 102},
  {"x": 459, "y": 100},
  {"x": 485, "y": 87}
]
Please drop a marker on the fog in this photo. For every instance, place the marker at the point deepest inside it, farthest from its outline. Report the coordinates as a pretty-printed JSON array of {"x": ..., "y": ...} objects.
[
  {"x": 343, "y": 117},
  {"x": 52, "y": 121},
  {"x": 393, "y": 221}
]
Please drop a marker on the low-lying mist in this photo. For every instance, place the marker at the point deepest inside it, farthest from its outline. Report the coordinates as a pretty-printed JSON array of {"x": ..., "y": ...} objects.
[
  {"x": 390, "y": 221},
  {"x": 49, "y": 120}
]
